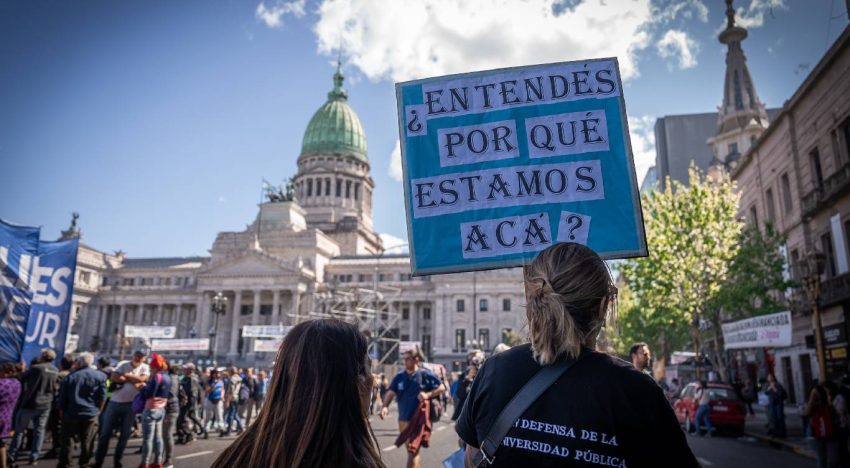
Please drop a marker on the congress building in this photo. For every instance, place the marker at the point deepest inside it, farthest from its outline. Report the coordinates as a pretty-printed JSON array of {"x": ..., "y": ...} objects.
[{"x": 312, "y": 251}]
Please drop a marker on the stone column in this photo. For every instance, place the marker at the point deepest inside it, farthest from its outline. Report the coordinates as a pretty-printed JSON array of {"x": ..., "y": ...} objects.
[
  {"x": 122, "y": 312},
  {"x": 255, "y": 320},
  {"x": 234, "y": 323},
  {"x": 437, "y": 332},
  {"x": 203, "y": 315},
  {"x": 158, "y": 316},
  {"x": 275, "y": 305},
  {"x": 412, "y": 320},
  {"x": 296, "y": 307}
]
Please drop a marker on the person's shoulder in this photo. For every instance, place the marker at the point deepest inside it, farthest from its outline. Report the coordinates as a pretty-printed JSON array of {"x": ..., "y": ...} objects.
[
  {"x": 621, "y": 371},
  {"x": 517, "y": 355}
]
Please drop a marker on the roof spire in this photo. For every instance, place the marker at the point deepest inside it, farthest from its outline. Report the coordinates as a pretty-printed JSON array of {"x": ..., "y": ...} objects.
[
  {"x": 338, "y": 92},
  {"x": 730, "y": 15}
]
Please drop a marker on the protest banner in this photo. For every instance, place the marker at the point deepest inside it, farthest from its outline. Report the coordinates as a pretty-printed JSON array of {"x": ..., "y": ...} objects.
[
  {"x": 267, "y": 346},
  {"x": 265, "y": 331},
  {"x": 772, "y": 330},
  {"x": 500, "y": 164},
  {"x": 52, "y": 284},
  {"x": 139, "y": 331},
  {"x": 18, "y": 248},
  {"x": 180, "y": 344}
]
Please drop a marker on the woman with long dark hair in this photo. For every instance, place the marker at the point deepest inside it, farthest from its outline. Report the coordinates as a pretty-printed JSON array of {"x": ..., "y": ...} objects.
[{"x": 317, "y": 407}]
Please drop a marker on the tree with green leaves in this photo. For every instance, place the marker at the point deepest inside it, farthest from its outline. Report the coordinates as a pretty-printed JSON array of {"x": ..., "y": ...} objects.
[{"x": 700, "y": 270}]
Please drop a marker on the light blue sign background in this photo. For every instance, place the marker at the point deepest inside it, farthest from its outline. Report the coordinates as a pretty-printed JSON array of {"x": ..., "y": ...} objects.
[{"x": 616, "y": 229}]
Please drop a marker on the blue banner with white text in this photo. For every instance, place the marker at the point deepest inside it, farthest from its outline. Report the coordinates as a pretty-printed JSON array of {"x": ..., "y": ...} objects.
[
  {"x": 18, "y": 249},
  {"x": 52, "y": 286}
]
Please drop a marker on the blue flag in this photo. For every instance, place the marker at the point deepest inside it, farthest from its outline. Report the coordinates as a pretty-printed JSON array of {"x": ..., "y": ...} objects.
[
  {"x": 52, "y": 285},
  {"x": 18, "y": 248}
]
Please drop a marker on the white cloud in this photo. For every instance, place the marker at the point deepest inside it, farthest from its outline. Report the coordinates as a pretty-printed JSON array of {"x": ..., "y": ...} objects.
[
  {"x": 395, "y": 162},
  {"x": 402, "y": 40},
  {"x": 753, "y": 16},
  {"x": 642, "y": 133},
  {"x": 688, "y": 9},
  {"x": 273, "y": 15},
  {"x": 677, "y": 44},
  {"x": 393, "y": 244}
]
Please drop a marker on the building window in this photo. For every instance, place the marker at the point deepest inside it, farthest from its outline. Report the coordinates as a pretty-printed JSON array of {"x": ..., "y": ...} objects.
[
  {"x": 266, "y": 309},
  {"x": 405, "y": 338},
  {"x": 357, "y": 190},
  {"x": 733, "y": 149},
  {"x": 327, "y": 186},
  {"x": 461, "y": 305},
  {"x": 347, "y": 189},
  {"x": 405, "y": 313},
  {"x": 846, "y": 134},
  {"x": 826, "y": 248},
  {"x": 460, "y": 340},
  {"x": 484, "y": 338},
  {"x": 426, "y": 313},
  {"x": 771, "y": 210},
  {"x": 309, "y": 187},
  {"x": 381, "y": 277},
  {"x": 754, "y": 217},
  {"x": 506, "y": 305},
  {"x": 338, "y": 188},
  {"x": 817, "y": 171},
  {"x": 318, "y": 186},
  {"x": 786, "y": 192},
  {"x": 483, "y": 305},
  {"x": 246, "y": 309}
]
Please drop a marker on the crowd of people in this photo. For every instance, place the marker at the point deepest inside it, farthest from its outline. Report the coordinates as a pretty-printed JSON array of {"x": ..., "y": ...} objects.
[{"x": 85, "y": 404}]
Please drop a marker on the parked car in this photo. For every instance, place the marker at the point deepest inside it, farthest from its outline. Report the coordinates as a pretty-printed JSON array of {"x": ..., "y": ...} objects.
[{"x": 728, "y": 412}]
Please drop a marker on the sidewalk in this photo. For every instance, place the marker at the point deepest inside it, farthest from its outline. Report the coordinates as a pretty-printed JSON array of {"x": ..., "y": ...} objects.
[{"x": 756, "y": 427}]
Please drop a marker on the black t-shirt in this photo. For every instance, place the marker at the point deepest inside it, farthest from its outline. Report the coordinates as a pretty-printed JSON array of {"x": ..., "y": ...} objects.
[{"x": 601, "y": 412}]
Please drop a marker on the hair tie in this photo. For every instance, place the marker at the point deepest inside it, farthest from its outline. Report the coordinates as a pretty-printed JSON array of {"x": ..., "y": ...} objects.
[{"x": 537, "y": 288}]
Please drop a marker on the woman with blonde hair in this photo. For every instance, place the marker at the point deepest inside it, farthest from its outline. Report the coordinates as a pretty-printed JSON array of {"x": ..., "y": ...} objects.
[{"x": 556, "y": 401}]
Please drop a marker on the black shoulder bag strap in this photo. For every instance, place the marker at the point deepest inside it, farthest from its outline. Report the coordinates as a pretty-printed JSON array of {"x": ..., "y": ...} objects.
[{"x": 528, "y": 394}]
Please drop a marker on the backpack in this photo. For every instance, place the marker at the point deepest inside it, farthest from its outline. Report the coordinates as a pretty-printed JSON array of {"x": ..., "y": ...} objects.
[
  {"x": 822, "y": 422},
  {"x": 244, "y": 393}
]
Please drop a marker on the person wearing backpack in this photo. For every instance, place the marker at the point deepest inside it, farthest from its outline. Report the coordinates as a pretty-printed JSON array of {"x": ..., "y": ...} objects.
[
  {"x": 232, "y": 395},
  {"x": 823, "y": 421}
]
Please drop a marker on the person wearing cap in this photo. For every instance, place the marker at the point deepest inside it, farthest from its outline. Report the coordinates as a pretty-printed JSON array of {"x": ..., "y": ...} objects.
[
  {"x": 39, "y": 386},
  {"x": 129, "y": 377}
]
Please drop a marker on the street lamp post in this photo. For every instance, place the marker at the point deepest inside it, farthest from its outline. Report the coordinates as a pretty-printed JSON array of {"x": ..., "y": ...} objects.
[
  {"x": 219, "y": 306},
  {"x": 810, "y": 268}
]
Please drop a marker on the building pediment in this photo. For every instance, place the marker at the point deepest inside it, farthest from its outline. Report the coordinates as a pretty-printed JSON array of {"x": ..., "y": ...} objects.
[
  {"x": 252, "y": 263},
  {"x": 319, "y": 169}
]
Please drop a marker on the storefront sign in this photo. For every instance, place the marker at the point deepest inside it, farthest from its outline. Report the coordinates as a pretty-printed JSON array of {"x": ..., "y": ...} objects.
[
  {"x": 500, "y": 164},
  {"x": 772, "y": 330},
  {"x": 834, "y": 334}
]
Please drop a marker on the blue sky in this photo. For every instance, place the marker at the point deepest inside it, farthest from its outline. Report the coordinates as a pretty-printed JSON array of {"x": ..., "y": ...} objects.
[{"x": 157, "y": 120}]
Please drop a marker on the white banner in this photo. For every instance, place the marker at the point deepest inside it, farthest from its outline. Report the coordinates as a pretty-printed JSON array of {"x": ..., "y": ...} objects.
[
  {"x": 186, "y": 344},
  {"x": 404, "y": 346},
  {"x": 72, "y": 342},
  {"x": 265, "y": 331},
  {"x": 772, "y": 330},
  {"x": 267, "y": 346},
  {"x": 133, "y": 331}
]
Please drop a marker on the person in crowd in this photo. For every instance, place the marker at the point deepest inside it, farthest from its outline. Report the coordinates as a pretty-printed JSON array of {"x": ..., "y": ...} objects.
[
  {"x": 641, "y": 357},
  {"x": 463, "y": 387},
  {"x": 10, "y": 391},
  {"x": 189, "y": 396},
  {"x": 384, "y": 388},
  {"x": 501, "y": 347},
  {"x": 840, "y": 429},
  {"x": 749, "y": 394},
  {"x": 776, "y": 396},
  {"x": 569, "y": 295},
  {"x": 376, "y": 390},
  {"x": 54, "y": 422},
  {"x": 321, "y": 375},
  {"x": 81, "y": 398},
  {"x": 412, "y": 385},
  {"x": 155, "y": 393},
  {"x": 213, "y": 402},
  {"x": 169, "y": 423},
  {"x": 247, "y": 404},
  {"x": 129, "y": 377},
  {"x": 232, "y": 393},
  {"x": 39, "y": 387},
  {"x": 703, "y": 397},
  {"x": 823, "y": 420},
  {"x": 262, "y": 390},
  {"x": 673, "y": 389}
]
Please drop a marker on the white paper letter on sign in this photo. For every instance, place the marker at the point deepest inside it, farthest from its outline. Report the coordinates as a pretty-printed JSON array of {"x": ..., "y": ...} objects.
[
  {"x": 573, "y": 227},
  {"x": 503, "y": 236},
  {"x": 415, "y": 120},
  {"x": 564, "y": 134},
  {"x": 478, "y": 143}
]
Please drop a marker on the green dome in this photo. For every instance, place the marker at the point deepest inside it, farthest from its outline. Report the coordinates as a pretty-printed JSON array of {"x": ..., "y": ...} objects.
[{"x": 335, "y": 127}]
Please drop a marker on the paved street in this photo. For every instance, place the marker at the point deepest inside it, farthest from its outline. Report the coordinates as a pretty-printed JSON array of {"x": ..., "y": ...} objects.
[{"x": 725, "y": 452}]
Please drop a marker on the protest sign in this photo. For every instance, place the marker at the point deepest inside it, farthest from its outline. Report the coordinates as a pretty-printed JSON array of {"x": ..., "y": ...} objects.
[
  {"x": 52, "y": 284},
  {"x": 265, "y": 331},
  {"x": 18, "y": 247},
  {"x": 180, "y": 344},
  {"x": 267, "y": 346},
  {"x": 500, "y": 164},
  {"x": 136, "y": 331},
  {"x": 772, "y": 330}
]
